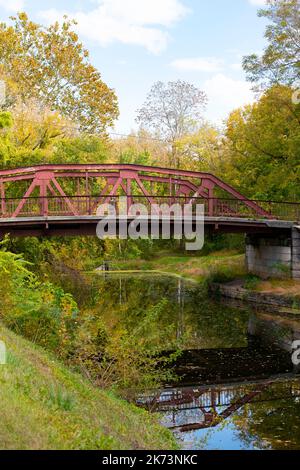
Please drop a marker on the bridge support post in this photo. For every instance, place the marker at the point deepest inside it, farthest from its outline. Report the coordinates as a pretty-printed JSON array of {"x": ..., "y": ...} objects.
[
  {"x": 269, "y": 256},
  {"x": 275, "y": 256},
  {"x": 296, "y": 253}
]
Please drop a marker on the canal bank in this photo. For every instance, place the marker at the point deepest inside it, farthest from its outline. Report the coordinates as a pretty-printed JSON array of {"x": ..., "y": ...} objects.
[
  {"x": 47, "y": 406},
  {"x": 237, "y": 290},
  {"x": 224, "y": 274}
]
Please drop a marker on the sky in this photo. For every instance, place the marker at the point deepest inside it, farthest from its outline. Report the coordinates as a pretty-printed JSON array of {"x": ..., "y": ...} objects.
[{"x": 135, "y": 43}]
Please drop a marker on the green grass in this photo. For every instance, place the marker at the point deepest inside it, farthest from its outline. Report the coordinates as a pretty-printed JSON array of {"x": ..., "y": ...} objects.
[
  {"x": 46, "y": 406},
  {"x": 227, "y": 264}
]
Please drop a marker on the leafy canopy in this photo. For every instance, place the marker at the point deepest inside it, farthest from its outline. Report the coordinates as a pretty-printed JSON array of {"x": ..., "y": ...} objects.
[
  {"x": 50, "y": 64},
  {"x": 262, "y": 147},
  {"x": 280, "y": 62}
]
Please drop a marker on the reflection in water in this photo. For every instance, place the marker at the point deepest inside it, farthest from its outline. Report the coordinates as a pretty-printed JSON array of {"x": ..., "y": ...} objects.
[
  {"x": 238, "y": 388},
  {"x": 210, "y": 405},
  {"x": 262, "y": 414}
]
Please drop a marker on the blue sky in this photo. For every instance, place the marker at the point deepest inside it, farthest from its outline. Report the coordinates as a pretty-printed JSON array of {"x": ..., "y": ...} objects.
[{"x": 137, "y": 42}]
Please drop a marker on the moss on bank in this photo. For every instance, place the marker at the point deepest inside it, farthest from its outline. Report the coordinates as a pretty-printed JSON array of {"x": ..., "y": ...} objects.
[{"x": 46, "y": 406}]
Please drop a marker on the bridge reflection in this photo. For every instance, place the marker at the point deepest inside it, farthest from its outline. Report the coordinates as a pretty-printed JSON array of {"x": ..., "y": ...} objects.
[
  {"x": 215, "y": 384},
  {"x": 191, "y": 408}
]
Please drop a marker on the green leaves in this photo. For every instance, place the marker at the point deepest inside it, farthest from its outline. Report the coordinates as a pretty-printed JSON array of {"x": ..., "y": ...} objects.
[
  {"x": 51, "y": 66},
  {"x": 5, "y": 120},
  {"x": 280, "y": 62},
  {"x": 40, "y": 311},
  {"x": 263, "y": 147}
]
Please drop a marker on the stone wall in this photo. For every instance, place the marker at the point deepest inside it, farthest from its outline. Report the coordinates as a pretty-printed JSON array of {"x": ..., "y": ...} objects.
[{"x": 237, "y": 292}]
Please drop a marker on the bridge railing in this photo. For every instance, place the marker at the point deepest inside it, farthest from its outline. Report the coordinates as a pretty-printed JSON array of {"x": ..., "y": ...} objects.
[{"x": 87, "y": 205}]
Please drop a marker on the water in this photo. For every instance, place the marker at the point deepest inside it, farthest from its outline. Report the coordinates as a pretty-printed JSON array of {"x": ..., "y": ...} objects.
[{"x": 237, "y": 387}]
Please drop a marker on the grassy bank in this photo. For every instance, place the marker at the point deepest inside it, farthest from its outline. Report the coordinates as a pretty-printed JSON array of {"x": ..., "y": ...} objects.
[
  {"x": 219, "y": 266},
  {"x": 45, "y": 406},
  {"x": 225, "y": 264}
]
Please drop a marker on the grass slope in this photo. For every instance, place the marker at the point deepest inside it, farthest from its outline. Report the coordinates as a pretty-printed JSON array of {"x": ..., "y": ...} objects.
[{"x": 46, "y": 406}]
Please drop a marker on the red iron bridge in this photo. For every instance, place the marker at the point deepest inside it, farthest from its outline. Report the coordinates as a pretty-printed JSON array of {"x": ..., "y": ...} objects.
[{"x": 46, "y": 200}]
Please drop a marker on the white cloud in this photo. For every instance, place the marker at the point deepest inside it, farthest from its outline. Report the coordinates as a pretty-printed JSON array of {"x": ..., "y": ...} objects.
[
  {"x": 258, "y": 2},
  {"x": 225, "y": 94},
  {"x": 201, "y": 64},
  {"x": 12, "y": 5},
  {"x": 136, "y": 22}
]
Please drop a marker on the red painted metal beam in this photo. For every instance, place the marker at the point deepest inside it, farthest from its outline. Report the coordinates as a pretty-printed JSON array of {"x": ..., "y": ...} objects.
[{"x": 119, "y": 177}]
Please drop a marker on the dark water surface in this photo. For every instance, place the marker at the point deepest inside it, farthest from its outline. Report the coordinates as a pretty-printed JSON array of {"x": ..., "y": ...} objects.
[{"x": 237, "y": 385}]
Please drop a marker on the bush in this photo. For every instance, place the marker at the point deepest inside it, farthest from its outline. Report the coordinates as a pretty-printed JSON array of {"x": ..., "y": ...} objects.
[
  {"x": 126, "y": 356},
  {"x": 41, "y": 312},
  {"x": 110, "y": 353}
]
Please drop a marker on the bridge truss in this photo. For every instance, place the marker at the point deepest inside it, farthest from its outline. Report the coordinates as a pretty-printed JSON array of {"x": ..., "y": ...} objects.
[{"x": 77, "y": 190}]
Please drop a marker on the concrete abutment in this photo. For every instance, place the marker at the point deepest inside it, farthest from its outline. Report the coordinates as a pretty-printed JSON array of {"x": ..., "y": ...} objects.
[{"x": 275, "y": 255}]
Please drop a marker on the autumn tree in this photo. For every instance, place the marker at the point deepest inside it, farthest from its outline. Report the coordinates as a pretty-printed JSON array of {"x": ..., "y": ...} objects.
[
  {"x": 172, "y": 110},
  {"x": 140, "y": 148},
  {"x": 81, "y": 149},
  {"x": 6, "y": 123},
  {"x": 262, "y": 156},
  {"x": 51, "y": 65},
  {"x": 37, "y": 127},
  {"x": 201, "y": 150},
  {"x": 280, "y": 62}
]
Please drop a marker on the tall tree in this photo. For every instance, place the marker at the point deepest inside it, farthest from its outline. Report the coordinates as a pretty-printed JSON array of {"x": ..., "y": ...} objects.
[
  {"x": 140, "y": 148},
  {"x": 280, "y": 62},
  {"x": 202, "y": 150},
  {"x": 172, "y": 110},
  {"x": 37, "y": 127},
  {"x": 51, "y": 65},
  {"x": 262, "y": 147}
]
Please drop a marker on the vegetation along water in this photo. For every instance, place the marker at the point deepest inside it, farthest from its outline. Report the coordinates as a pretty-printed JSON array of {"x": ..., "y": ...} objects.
[{"x": 128, "y": 344}]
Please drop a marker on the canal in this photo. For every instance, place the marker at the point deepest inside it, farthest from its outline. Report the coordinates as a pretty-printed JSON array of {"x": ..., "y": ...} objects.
[{"x": 234, "y": 385}]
